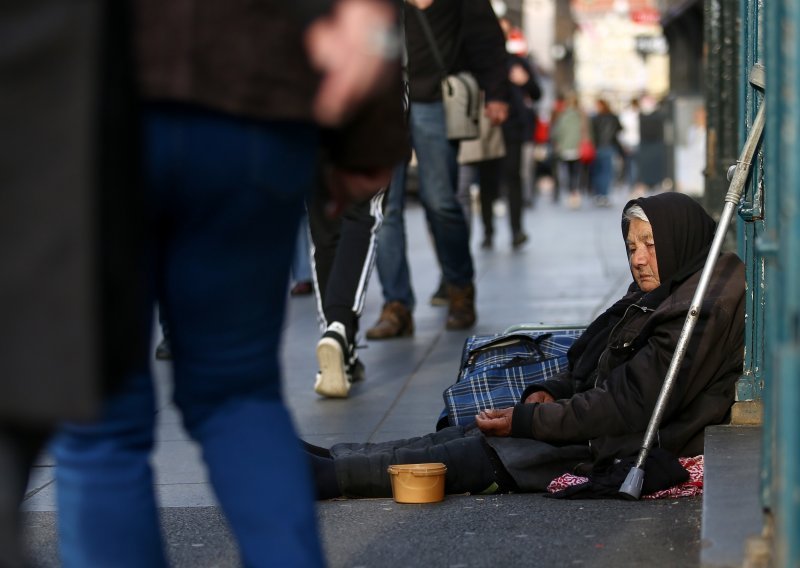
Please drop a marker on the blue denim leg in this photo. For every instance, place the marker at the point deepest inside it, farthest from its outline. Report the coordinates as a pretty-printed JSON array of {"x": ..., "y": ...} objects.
[
  {"x": 438, "y": 179},
  {"x": 229, "y": 195},
  {"x": 106, "y": 507},
  {"x": 603, "y": 170},
  {"x": 301, "y": 262},
  {"x": 391, "y": 260}
]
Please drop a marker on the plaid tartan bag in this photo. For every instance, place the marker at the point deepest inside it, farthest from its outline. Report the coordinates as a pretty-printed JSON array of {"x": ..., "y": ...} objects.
[{"x": 496, "y": 369}]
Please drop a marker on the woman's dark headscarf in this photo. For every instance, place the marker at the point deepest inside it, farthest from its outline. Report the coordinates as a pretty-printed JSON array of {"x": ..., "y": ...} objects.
[{"x": 682, "y": 232}]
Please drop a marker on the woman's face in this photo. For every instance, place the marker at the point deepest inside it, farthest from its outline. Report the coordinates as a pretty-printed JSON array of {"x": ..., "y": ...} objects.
[{"x": 642, "y": 255}]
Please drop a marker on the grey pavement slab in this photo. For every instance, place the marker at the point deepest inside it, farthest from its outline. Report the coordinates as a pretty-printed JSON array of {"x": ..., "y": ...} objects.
[
  {"x": 732, "y": 510},
  {"x": 572, "y": 267}
]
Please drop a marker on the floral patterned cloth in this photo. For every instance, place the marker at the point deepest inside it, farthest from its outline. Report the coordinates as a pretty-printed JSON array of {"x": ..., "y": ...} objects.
[{"x": 688, "y": 489}]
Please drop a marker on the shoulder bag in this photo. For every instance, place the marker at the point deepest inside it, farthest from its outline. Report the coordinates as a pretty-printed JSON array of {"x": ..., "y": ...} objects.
[{"x": 460, "y": 93}]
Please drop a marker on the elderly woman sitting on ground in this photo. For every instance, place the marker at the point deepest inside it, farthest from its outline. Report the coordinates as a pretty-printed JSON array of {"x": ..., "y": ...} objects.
[{"x": 601, "y": 406}]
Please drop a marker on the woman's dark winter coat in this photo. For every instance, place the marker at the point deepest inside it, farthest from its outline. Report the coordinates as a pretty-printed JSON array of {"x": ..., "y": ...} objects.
[{"x": 618, "y": 365}]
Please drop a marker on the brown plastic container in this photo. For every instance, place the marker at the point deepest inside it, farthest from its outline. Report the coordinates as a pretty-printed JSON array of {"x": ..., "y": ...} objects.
[{"x": 418, "y": 482}]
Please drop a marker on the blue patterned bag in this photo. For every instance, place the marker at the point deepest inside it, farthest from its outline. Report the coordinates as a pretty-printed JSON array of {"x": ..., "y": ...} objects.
[{"x": 496, "y": 369}]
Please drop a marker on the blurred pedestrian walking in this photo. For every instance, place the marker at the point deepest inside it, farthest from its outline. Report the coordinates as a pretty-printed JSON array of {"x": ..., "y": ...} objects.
[
  {"x": 519, "y": 127},
  {"x": 466, "y": 35},
  {"x": 570, "y": 128},
  {"x": 652, "y": 146},
  {"x": 629, "y": 139},
  {"x": 230, "y": 139},
  {"x": 605, "y": 129}
]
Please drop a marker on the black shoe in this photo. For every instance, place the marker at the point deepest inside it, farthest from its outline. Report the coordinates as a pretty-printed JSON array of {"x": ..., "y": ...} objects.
[
  {"x": 163, "y": 350},
  {"x": 487, "y": 243},
  {"x": 519, "y": 239},
  {"x": 339, "y": 366},
  {"x": 440, "y": 297}
]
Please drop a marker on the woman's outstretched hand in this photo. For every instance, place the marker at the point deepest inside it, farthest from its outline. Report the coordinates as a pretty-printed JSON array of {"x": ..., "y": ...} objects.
[{"x": 495, "y": 422}]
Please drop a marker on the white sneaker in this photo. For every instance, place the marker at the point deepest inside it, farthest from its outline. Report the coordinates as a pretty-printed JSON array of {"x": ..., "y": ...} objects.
[{"x": 333, "y": 379}]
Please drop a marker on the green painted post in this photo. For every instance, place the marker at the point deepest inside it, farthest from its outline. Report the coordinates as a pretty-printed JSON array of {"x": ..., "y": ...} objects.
[
  {"x": 752, "y": 385},
  {"x": 784, "y": 270},
  {"x": 786, "y": 477},
  {"x": 779, "y": 245}
]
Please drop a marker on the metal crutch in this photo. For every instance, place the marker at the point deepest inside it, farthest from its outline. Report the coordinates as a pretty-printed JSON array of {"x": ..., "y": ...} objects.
[{"x": 632, "y": 486}]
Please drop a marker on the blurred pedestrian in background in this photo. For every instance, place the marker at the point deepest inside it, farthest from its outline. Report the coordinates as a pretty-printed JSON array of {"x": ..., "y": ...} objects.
[
  {"x": 652, "y": 148},
  {"x": 519, "y": 126},
  {"x": 629, "y": 140},
  {"x": 570, "y": 128},
  {"x": 467, "y": 36},
  {"x": 479, "y": 164},
  {"x": 605, "y": 128},
  {"x": 230, "y": 107},
  {"x": 503, "y": 174}
]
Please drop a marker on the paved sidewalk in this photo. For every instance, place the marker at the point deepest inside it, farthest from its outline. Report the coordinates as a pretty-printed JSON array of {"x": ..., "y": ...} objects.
[{"x": 572, "y": 267}]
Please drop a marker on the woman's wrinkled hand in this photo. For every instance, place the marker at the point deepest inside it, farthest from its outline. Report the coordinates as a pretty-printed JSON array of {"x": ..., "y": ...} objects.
[{"x": 494, "y": 422}]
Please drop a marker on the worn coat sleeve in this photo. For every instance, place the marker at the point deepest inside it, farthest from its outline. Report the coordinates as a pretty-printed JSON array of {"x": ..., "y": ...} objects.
[{"x": 559, "y": 386}]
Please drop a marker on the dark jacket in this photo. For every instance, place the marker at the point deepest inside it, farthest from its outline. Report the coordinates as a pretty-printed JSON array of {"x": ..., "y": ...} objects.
[
  {"x": 247, "y": 58},
  {"x": 468, "y": 37},
  {"x": 605, "y": 127},
  {"x": 71, "y": 210},
  {"x": 222, "y": 55},
  {"x": 521, "y": 116}
]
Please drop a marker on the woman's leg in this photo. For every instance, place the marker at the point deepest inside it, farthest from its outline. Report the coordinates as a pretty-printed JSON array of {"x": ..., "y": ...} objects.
[
  {"x": 361, "y": 469},
  {"x": 325, "y": 483},
  {"x": 512, "y": 178},
  {"x": 488, "y": 181}
]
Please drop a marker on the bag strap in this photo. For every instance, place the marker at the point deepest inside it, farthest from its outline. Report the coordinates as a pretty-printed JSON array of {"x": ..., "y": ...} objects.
[
  {"x": 437, "y": 55},
  {"x": 426, "y": 29},
  {"x": 514, "y": 338}
]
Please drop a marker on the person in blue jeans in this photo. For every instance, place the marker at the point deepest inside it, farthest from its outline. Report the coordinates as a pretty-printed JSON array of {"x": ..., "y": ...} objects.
[
  {"x": 467, "y": 36},
  {"x": 605, "y": 129},
  {"x": 224, "y": 347},
  {"x": 228, "y": 158}
]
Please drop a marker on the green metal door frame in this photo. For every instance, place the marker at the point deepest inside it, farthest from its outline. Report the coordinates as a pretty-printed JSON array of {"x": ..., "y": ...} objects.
[
  {"x": 750, "y": 386},
  {"x": 770, "y": 246}
]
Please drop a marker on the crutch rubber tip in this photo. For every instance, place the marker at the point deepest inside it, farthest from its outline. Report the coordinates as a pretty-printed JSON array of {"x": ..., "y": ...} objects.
[{"x": 632, "y": 486}]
